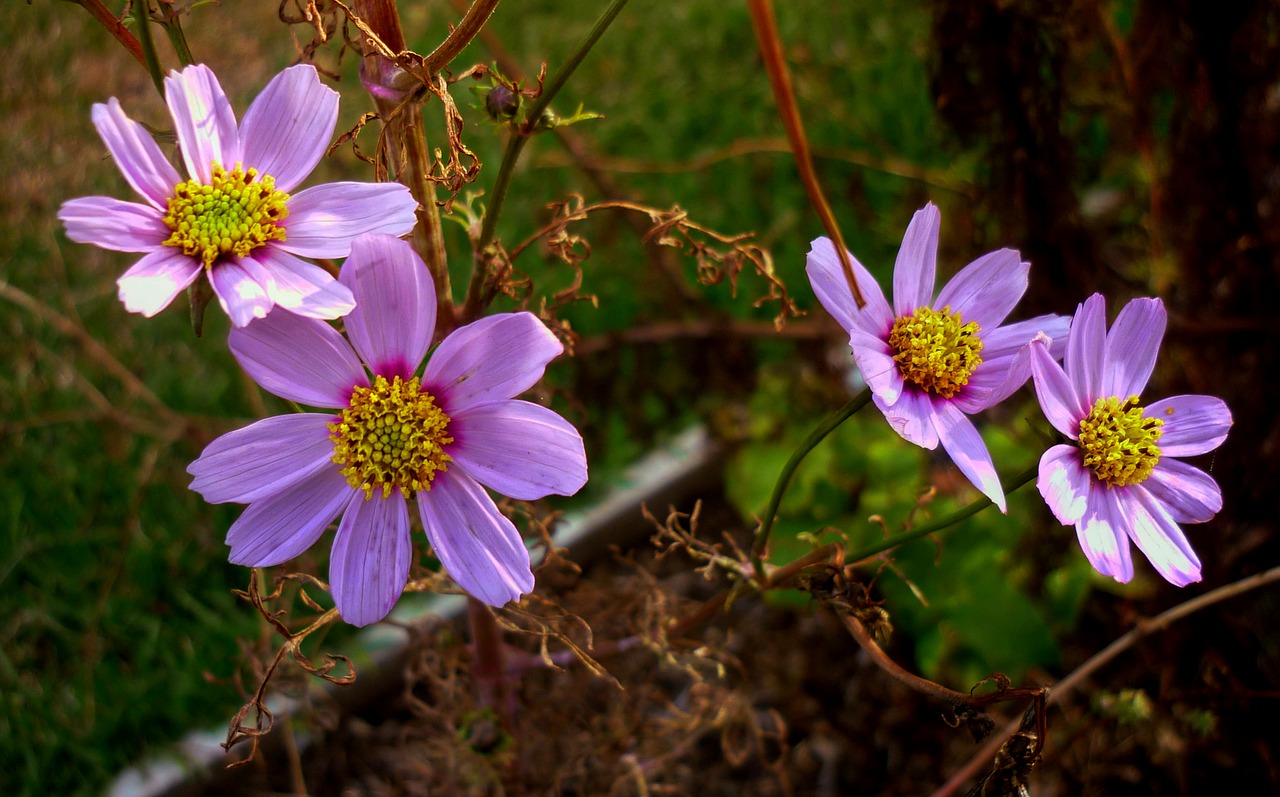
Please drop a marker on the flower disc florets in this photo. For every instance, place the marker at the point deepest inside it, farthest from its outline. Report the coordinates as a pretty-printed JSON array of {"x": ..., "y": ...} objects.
[
  {"x": 235, "y": 213},
  {"x": 936, "y": 350},
  {"x": 391, "y": 436},
  {"x": 1119, "y": 441}
]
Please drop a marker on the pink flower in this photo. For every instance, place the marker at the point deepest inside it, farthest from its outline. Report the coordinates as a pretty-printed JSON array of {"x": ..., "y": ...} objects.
[
  {"x": 439, "y": 438},
  {"x": 929, "y": 362},
  {"x": 235, "y": 219},
  {"x": 1118, "y": 478}
]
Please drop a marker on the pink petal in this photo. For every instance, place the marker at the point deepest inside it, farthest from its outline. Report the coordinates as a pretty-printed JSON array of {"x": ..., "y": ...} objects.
[
  {"x": 960, "y": 439},
  {"x": 301, "y": 287},
  {"x": 1064, "y": 484},
  {"x": 478, "y": 546},
  {"x": 241, "y": 286},
  {"x": 152, "y": 283},
  {"x": 987, "y": 289},
  {"x": 519, "y": 449},
  {"x": 829, "y": 285},
  {"x": 298, "y": 359},
  {"x": 1006, "y": 360},
  {"x": 284, "y": 525},
  {"x": 1102, "y": 537},
  {"x": 1159, "y": 538},
  {"x": 324, "y": 219},
  {"x": 1059, "y": 401},
  {"x": 141, "y": 162},
  {"x": 911, "y": 416},
  {"x": 875, "y": 361},
  {"x": 286, "y": 130},
  {"x": 204, "y": 121},
  {"x": 371, "y": 555},
  {"x": 1192, "y": 424},
  {"x": 1189, "y": 494},
  {"x": 1086, "y": 356},
  {"x": 395, "y": 315},
  {"x": 263, "y": 458},
  {"x": 1132, "y": 345},
  {"x": 113, "y": 224},
  {"x": 917, "y": 264},
  {"x": 494, "y": 358}
]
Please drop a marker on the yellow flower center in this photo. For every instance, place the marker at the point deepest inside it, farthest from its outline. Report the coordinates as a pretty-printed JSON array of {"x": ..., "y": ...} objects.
[
  {"x": 1119, "y": 441},
  {"x": 391, "y": 436},
  {"x": 935, "y": 350},
  {"x": 236, "y": 213}
]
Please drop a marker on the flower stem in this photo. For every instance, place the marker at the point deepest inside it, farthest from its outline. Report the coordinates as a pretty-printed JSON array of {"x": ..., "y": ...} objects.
[
  {"x": 114, "y": 26},
  {"x": 788, "y": 470},
  {"x": 149, "y": 46},
  {"x": 461, "y": 35},
  {"x": 515, "y": 144},
  {"x": 775, "y": 64},
  {"x": 489, "y": 667},
  {"x": 1009, "y": 485}
]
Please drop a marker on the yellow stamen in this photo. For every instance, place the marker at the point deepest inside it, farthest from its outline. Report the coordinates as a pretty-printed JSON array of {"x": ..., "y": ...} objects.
[
  {"x": 1119, "y": 441},
  {"x": 391, "y": 436},
  {"x": 936, "y": 350},
  {"x": 237, "y": 212}
]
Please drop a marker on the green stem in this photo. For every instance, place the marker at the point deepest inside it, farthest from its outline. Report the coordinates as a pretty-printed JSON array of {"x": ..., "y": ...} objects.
[
  {"x": 788, "y": 470},
  {"x": 149, "y": 45},
  {"x": 512, "y": 153},
  {"x": 178, "y": 39},
  {"x": 1009, "y": 485}
]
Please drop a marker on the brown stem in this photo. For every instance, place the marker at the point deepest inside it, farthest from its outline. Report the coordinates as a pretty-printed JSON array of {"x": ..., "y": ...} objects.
[
  {"x": 776, "y": 65},
  {"x": 489, "y": 667},
  {"x": 467, "y": 29},
  {"x": 114, "y": 26},
  {"x": 882, "y": 660},
  {"x": 406, "y": 136},
  {"x": 1064, "y": 687}
]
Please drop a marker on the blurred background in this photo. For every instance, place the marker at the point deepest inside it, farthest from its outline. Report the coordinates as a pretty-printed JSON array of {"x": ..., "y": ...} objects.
[{"x": 1129, "y": 147}]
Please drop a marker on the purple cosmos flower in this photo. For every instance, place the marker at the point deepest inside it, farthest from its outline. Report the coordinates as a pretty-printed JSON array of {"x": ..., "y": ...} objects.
[
  {"x": 235, "y": 218},
  {"x": 1117, "y": 478},
  {"x": 439, "y": 438},
  {"x": 931, "y": 362}
]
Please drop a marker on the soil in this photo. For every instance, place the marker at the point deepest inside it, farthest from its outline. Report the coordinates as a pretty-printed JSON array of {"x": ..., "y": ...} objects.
[{"x": 766, "y": 701}]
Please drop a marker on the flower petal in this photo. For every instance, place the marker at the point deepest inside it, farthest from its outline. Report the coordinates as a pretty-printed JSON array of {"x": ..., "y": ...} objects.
[
  {"x": 911, "y": 416},
  {"x": 1192, "y": 424},
  {"x": 299, "y": 359},
  {"x": 286, "y": 130},
  {"x": 1009, "y": 339},
  {"x": 478, "y": 546},
  {"x": 301, "y": 287},
  {"x": 1064, "y": 483},
  {"x": 204, "y": 121},
  {"x": 916, "y": 268},
  {"x": 113, "y": 224},
  {"x": 324, "y": 219},
  {"x": 987, "y": 289},
  {"x": 395, "y": 315},
  {"x": 141, "y": 162},
  {"x": 1132, "y": 345},
  {"x": 1059, "y": 400},
  {"x": 281, "y": 527},
  {"x": 371, "y": 555},
  {"x": 1189, "y": 494},
  {"x": 263, "y": 458},
  {"x": 242, "y": 289},
  {"x": 1102, "y": 537},
  {"x": 497, "y": 357},
  {"x": 151, "y": 284},
  {"x": 875, "y": 361},
  {"x": 826, "y": 276},
  {"x": 1158, "y": 536},
  {"x": 1086, "y": 357},
  {"x": 519, "y": 449},
  {"x": 967, "y": 450}
]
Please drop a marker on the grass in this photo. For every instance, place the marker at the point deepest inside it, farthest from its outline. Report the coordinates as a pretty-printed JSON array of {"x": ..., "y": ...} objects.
[{"x": 114, "y": 585}]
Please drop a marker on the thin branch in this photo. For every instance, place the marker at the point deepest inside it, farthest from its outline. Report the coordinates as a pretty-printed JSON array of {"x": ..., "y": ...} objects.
[
  {"x": 468, "y": 27},
  {"x": 115, "y": 27},
  {"x": 1067, "y": 685}
]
